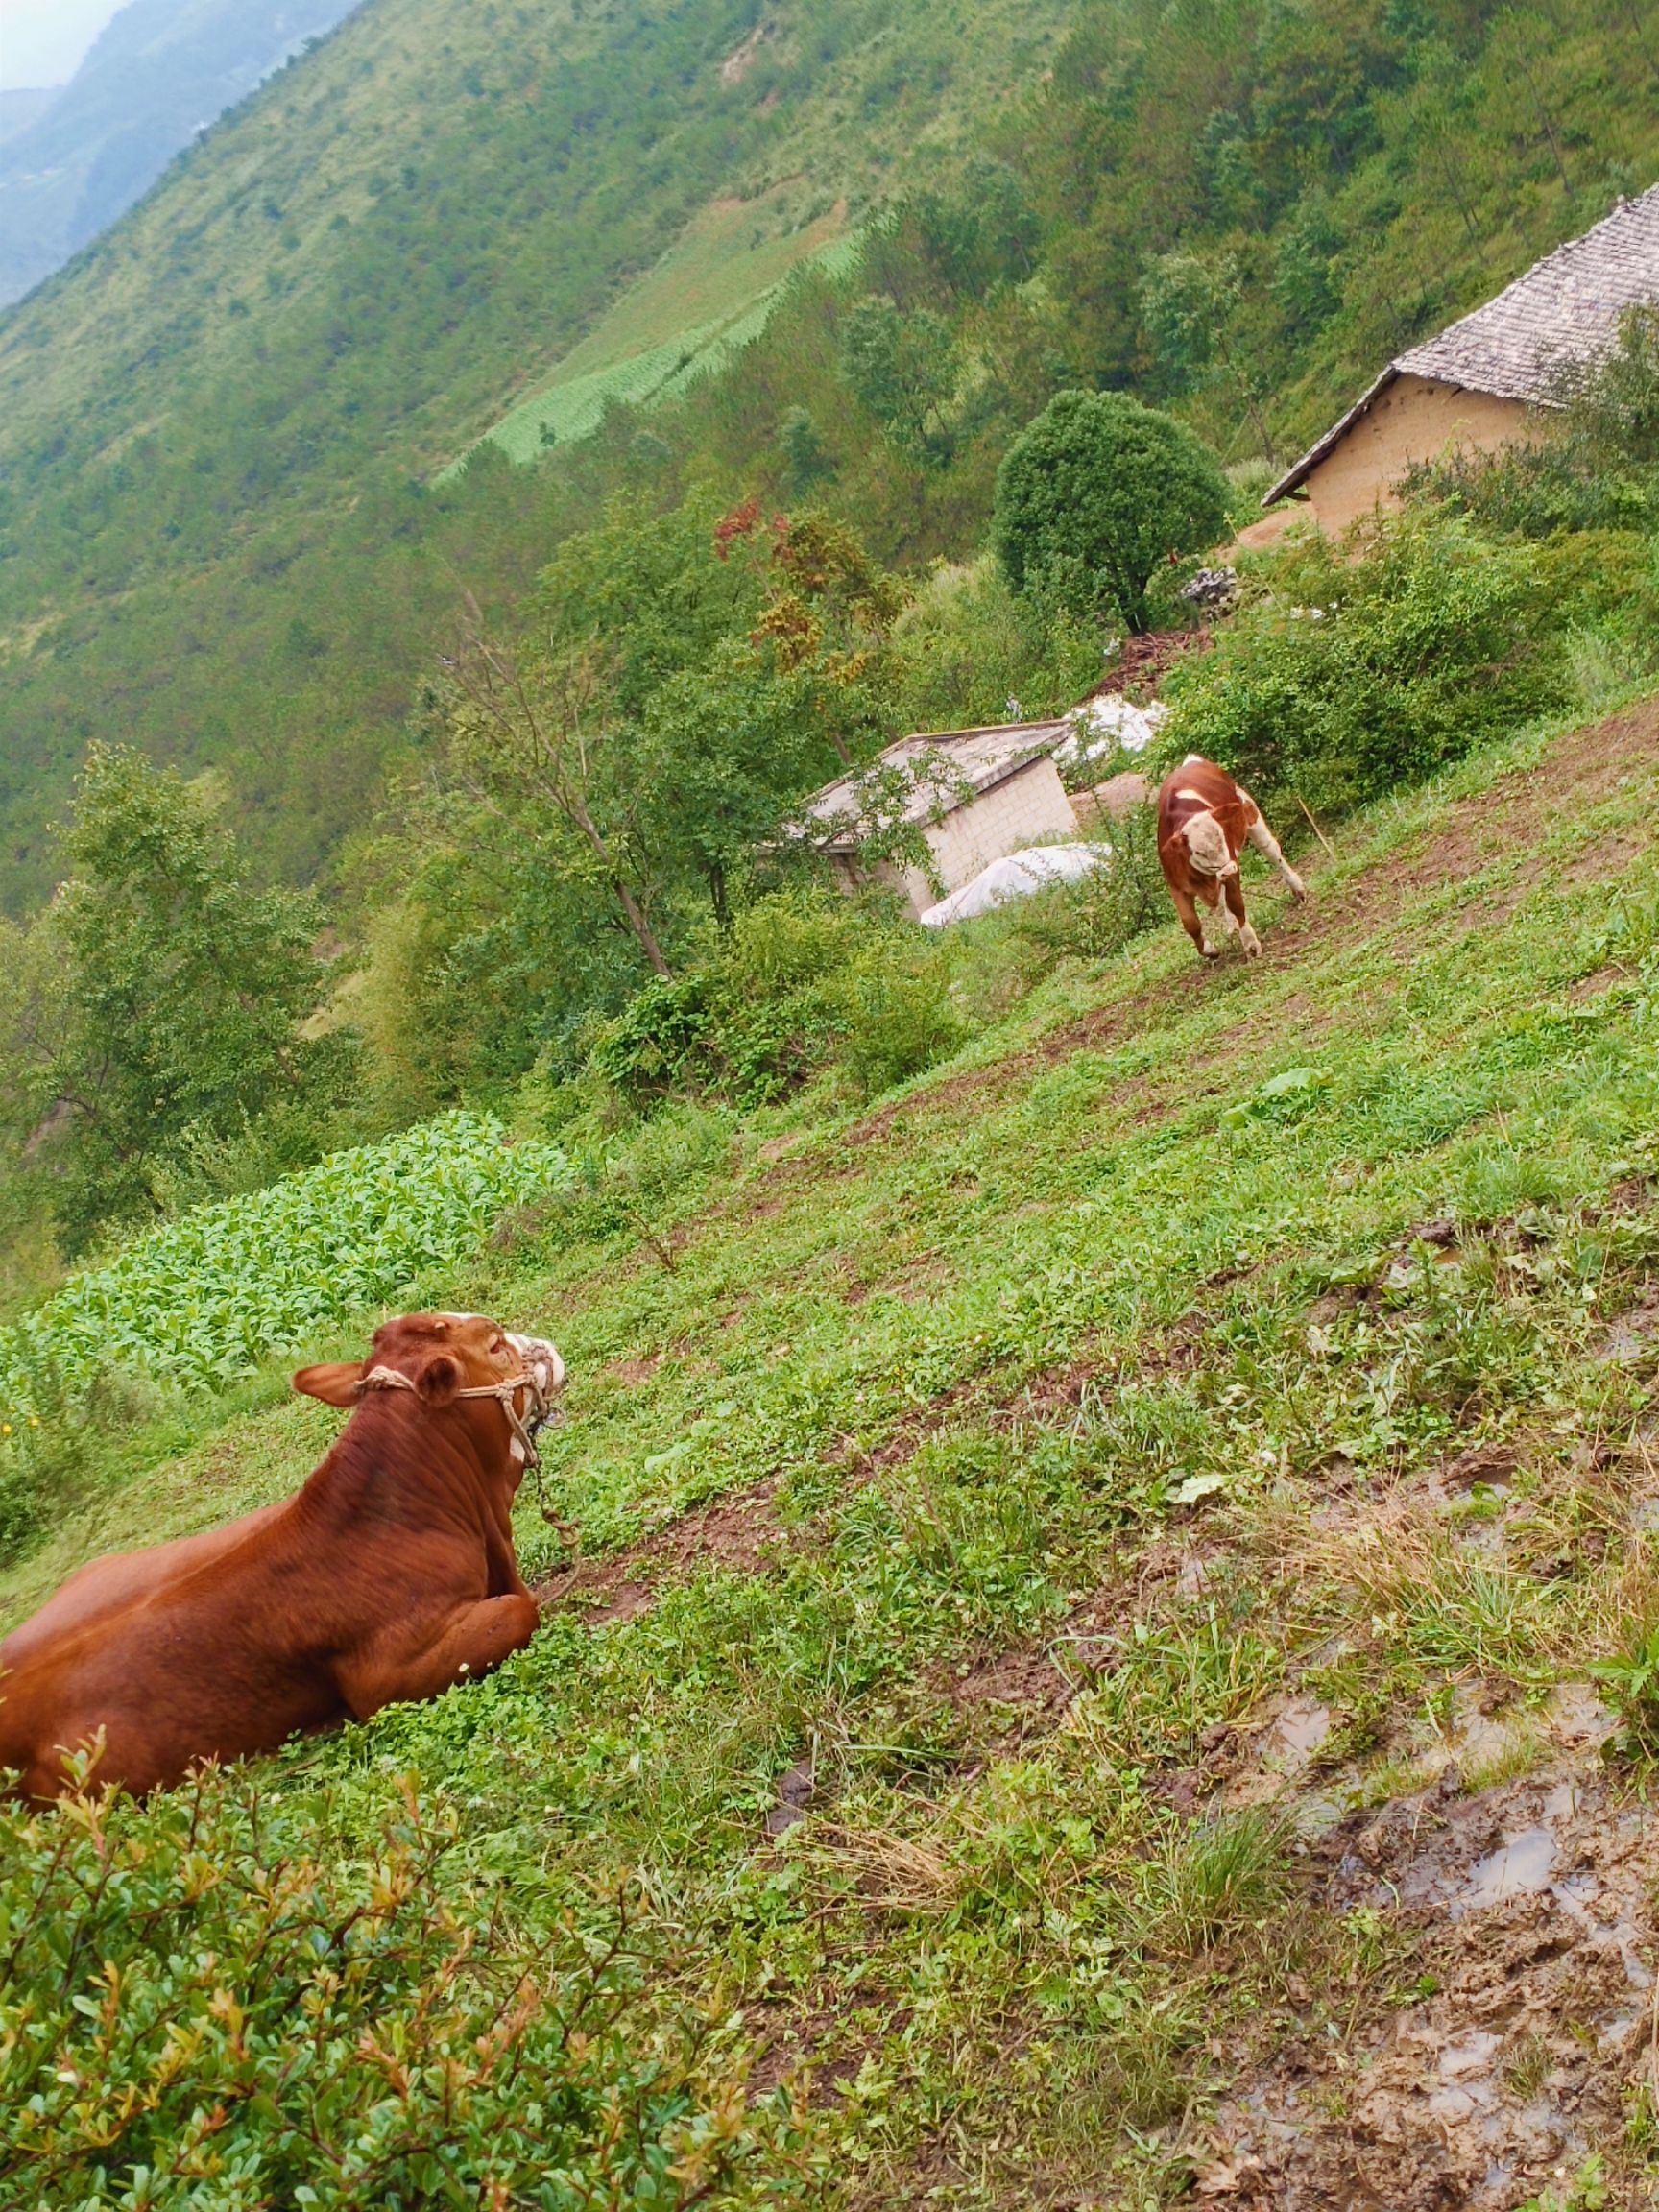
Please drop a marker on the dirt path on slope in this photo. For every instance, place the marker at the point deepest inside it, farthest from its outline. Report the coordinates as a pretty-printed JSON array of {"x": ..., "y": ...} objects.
[{"x": 1476, "y": 832}]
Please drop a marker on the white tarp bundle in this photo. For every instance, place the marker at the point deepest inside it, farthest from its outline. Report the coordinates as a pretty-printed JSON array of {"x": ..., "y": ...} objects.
[
  {"x": 1104, "y": 725},
  {"x": 1016, "y": 876}
]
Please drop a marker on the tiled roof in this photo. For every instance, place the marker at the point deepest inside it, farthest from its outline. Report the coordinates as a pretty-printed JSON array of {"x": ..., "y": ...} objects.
[
  {"x": 943, "y": 763},
  {"x": 1565, "y": 309}
]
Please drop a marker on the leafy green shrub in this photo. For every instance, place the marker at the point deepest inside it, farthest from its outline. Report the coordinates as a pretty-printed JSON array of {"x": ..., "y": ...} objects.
[
  {"x": 899, "y": 1021},
  {"x": 1094, "y": 918},
  {"x": 635, "y": 1182},
  {"x": 802, "y": 982},
  {"x": 970, "y": 649},
  {"x": 903, "y": 370},
  {"x": 186, "y": 986},
  {"x": 1351, "y": 677},
  {"x": 1528, "y": 491},
  {"x": 1594, "y": 469},
  {"x": 222, "y": 2000},
  {"x": 1096, "y": 493}
]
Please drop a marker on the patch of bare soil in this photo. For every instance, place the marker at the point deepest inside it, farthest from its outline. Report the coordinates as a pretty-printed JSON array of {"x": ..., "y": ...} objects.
[
  {"x": 629, "y": 1373},
  {"x": 1533, "y": 2019},
  {"x": 1026, "y": 1689},
  {"x": 742, "y": 59},
  {"x": 1143, "y": 663},
  {"x": 737, "y": 1533}
]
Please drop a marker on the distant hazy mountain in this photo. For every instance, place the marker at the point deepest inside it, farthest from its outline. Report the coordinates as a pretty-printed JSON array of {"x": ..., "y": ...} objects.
[
  {"x": 162, "y": 70},
  {"x": 19, "y": 110}
]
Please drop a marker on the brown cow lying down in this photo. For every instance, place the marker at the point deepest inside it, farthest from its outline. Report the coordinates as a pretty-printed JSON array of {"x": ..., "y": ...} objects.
[
  {"x": 1204, "y": 821},
  {"x": 391, "y": 1574}
]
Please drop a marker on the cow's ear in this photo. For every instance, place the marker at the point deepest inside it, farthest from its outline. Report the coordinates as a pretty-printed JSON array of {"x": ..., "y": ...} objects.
[
  {"x": 439, "y": 1380},
  {"x": 335, "y": 1381}
]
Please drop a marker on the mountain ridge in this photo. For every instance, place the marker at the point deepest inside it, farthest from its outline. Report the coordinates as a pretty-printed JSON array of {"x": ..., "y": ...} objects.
[{"x": 158, "y": 74}]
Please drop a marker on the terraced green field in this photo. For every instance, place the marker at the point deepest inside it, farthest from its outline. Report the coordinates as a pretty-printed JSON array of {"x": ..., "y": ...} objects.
[
  {"x": 1080, "y": 1657},
  {"x": 711, "y": 294}
]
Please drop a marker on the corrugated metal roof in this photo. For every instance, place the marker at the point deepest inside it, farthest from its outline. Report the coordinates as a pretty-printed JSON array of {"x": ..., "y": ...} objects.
[
  {"x": 943, "y": 762},
  {"x": 1565, "y": 309}
]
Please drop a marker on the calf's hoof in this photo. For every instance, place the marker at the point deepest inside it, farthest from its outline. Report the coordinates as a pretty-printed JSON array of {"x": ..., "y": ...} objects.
[
  {"x": 1298, "y": 889},
  {"x": 1250, "y": 943}
]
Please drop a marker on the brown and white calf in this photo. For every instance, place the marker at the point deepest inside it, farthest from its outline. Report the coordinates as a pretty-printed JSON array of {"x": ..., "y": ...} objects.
[{"x": 1204, "y": 822}]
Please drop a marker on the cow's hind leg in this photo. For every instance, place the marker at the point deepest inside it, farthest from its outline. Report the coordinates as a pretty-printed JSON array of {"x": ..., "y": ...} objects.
[
  {"x": 1267, "y": 845},
  {"x": 467, "y": 1642}
]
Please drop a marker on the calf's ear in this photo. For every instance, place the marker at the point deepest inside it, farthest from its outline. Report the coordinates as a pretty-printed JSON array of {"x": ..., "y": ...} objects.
[
  {"x": 439, "y": 1380},
  {"x": 335, "y": 1381}
]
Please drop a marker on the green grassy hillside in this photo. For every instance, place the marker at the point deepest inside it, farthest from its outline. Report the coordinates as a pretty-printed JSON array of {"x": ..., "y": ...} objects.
[
  {"x": 713, "y": 292},
  {"x": 1087, "y": 1569}
]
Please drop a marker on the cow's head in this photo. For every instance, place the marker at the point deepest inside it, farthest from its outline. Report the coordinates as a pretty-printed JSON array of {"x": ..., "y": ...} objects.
[
  {"x": 444, "y": 1359},
  {"x": 1207, "y": 845}
]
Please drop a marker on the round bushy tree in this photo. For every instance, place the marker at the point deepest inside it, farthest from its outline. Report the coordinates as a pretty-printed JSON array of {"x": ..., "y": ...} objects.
[{"x": 1095, "y": 493}]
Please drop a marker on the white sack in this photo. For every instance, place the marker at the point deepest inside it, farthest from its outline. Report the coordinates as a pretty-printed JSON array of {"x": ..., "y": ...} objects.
[{"x": 1016, "y": 876}]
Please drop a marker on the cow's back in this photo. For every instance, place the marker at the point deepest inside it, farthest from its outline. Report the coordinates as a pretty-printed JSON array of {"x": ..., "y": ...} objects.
[
  {"x": 207, "y": 1642},
  {"x": 1197, "y": 786},
  {"x": 106, "y": 1587}
]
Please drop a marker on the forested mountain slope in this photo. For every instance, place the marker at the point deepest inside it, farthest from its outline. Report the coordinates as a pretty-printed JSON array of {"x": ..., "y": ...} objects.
[
  {"x": 215, "y": 427},
  {"x": 159, "y": 73},
  {"x": 222, "y": 432}
]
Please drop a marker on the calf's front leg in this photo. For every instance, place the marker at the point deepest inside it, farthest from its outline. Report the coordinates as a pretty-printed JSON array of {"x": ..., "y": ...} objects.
[
  {"x": 462, "y": 1645},
  {"x": 1190, "y": 921}
]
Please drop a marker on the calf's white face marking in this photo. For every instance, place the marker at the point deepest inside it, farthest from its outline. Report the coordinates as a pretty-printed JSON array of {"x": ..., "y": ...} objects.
[{"x": 1207, "y": 844}]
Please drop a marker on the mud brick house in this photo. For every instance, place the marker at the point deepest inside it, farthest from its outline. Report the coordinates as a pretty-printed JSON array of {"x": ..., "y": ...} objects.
[
  {"x": 1487, "y": 381},
  {"x": 974, "y": 796}
]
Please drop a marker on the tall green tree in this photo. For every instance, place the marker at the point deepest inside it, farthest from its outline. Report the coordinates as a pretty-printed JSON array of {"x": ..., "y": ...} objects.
[
  {"x": 184, "y": 985},
  {"x": 903, "y": 369},
  {"x": 1096, "y": 493}
]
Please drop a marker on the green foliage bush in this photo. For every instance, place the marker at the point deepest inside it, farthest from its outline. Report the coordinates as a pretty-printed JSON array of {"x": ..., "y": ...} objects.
[
  {"x": 1592, "y": 466},
  {"x": 903, "y": 369},
  {"x": 1094, "y": 918},
  {"x": 803, "y": 982},
  {"x": 969, "y": 649},
  {"x": 184, "y": 987},
  {"x": 1347, "y": 677},
  {"x": 1096, "y": 493},
  {"x": 229, "y": 1999}
]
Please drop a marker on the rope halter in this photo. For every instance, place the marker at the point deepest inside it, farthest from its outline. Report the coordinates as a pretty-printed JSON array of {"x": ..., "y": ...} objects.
[{"x": 540, "y": 1409}]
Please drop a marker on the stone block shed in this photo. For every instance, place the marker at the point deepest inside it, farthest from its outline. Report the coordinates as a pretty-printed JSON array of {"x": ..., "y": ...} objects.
[
  {"x": 974, "y": 794},
  {"x": 1489, "y": 380}
]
